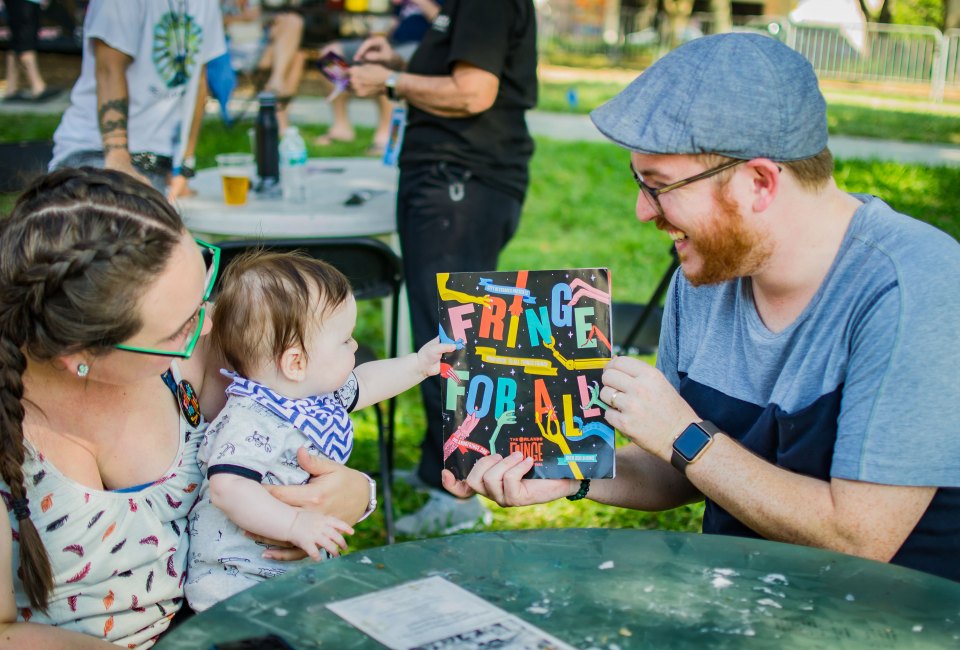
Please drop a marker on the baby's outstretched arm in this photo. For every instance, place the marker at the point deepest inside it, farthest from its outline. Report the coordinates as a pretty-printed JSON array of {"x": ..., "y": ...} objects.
[
  {"x": 251, "y": 507},
  {"x": 380, "y": 380}
]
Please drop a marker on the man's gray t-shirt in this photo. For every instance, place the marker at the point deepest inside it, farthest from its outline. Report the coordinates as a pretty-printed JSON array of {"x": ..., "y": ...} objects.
[{"x": 862, "y": 386}]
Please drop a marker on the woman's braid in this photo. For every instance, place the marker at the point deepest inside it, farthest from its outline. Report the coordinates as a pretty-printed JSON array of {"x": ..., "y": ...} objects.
[{"x": 75, "y": 254}]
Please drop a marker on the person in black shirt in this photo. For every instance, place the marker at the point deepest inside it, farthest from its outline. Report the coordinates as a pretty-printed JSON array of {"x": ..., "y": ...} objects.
[
  {"x": 463, "y": 177},
  {"x": 23, "y": 17}
]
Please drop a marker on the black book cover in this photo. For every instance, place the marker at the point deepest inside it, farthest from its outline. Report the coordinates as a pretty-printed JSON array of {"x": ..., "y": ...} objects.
[{"x": 531, "y": 346}]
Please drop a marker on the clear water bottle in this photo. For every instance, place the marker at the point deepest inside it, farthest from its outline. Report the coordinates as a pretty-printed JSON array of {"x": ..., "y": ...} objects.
[{"x": 293, "y": 166}]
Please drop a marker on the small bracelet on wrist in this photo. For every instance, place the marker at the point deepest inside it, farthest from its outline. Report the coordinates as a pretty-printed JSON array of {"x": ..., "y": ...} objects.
[{"x": 582, "y": 492}]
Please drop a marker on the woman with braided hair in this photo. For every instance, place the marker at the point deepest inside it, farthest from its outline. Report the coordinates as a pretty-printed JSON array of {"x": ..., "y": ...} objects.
[{"x": 102, "y": 368}]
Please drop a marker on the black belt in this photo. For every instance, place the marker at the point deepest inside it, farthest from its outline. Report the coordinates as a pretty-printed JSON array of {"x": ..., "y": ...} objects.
[{"x": 151, "y": 163}]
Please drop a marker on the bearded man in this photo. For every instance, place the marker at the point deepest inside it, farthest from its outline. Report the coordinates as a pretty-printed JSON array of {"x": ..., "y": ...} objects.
[{"x": 806, "y": 370}]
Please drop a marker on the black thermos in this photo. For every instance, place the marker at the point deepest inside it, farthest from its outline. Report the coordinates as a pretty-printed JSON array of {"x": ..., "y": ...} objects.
[{"x": 268, "y": 144}]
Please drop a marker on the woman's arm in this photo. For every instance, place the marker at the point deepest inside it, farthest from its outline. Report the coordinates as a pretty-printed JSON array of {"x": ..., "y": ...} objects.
[
  {"x": 334, "y": 489},
  {"x": 31, "y": 635},
  {"x": 255, "y": 510},
  {"x": 469, "y": 90},
  {"x": 428, "y": 8}
]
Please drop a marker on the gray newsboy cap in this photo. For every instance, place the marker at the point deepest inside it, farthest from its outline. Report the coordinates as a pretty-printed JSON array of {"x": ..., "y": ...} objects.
[{"x": 740, "y": 95}]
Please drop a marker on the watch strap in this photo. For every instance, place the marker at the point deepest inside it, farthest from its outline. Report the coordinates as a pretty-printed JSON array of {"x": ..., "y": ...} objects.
[{"x": 391, "y": 87}]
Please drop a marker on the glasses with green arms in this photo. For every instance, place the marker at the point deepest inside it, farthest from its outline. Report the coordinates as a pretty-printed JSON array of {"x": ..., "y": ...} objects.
[{"x": 211, "y": 257}]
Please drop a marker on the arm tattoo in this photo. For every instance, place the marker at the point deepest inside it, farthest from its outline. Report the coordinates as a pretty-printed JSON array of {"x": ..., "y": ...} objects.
[
  {"x": 109, "y": 126},
  {"x": 120, "y": 106}
]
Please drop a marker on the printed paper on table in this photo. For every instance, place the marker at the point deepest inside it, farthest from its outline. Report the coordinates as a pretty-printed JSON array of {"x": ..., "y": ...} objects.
[{"x": 435, "y": 614}]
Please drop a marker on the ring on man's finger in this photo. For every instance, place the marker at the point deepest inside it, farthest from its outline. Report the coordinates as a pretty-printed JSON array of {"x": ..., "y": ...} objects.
[{"x": 613, "y": 399}]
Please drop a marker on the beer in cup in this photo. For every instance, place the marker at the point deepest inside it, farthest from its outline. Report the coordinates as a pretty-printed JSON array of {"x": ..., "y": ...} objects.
[{"x": 235, "y": 170}]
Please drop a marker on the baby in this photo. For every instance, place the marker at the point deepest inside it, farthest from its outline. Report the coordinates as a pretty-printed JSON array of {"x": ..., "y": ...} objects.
[{"x": 284, "y": 322}]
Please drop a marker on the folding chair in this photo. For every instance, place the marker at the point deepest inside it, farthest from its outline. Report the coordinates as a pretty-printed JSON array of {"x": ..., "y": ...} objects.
[
  {"x": 22, "y": 162},
  {"x": 636, "y": 325},
  {"x": 375, "y": 272}
]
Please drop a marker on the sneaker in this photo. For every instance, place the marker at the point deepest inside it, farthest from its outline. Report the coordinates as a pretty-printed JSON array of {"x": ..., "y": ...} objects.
[{"x": 444, "y": 514}]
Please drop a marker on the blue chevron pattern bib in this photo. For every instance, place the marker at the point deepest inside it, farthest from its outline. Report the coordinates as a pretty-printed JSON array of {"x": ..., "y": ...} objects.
[{"x": 322, "y": 419}]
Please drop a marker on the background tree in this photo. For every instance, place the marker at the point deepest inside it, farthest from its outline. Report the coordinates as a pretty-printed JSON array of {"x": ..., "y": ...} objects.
[{"x": 910, "y": 12}]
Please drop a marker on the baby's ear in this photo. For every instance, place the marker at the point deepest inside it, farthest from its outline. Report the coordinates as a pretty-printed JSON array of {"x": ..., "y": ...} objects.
[{"x": 293, "y": 364}]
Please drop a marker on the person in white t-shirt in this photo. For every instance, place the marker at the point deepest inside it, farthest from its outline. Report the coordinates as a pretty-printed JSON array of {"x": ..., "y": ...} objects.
[{"x": 137, "y": 104}]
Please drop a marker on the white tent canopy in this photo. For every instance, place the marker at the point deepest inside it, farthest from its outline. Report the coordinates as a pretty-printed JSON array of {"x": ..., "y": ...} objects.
[{"x": 845, "y": 14}]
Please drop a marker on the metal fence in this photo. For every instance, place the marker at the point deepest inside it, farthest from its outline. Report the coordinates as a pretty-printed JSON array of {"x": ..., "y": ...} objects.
[
  {"x": 907, "y": 55},
  {"x": 901, "y": 54},
  {"x": 950, "y": 63}
]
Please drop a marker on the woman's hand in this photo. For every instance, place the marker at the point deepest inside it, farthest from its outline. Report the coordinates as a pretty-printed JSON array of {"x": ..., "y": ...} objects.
[
  {"x": 644, "y": 406},
  {"x": 334, "y": 489},
  {"x": 501, "y": 480},
  {"x": 368, "y": 80},
  {"x": 375, "y": 49}
]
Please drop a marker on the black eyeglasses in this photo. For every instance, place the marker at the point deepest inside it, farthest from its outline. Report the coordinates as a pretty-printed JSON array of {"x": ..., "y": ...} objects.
[{"x": 653, "y": 192}]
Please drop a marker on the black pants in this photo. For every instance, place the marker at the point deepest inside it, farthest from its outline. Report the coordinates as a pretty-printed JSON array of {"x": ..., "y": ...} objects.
[
  {"x": 24, "y": 19},
  {"x": 449, "y": 222}
]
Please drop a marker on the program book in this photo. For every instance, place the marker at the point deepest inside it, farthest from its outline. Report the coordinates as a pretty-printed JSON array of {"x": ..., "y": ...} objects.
[{"x": 526, "y": 374}]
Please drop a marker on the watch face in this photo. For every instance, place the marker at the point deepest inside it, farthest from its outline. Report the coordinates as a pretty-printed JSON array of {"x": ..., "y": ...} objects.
[{"x": 691, "y": 442}]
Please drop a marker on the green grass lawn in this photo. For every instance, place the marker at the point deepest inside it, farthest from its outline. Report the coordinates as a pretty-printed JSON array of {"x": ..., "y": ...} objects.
[
  {"x": 845, "y": 115},
  {"x": 579, "y": 213}
]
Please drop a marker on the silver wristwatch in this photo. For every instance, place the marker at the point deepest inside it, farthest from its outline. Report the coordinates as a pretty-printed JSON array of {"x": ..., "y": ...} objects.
[
  {"x": 391, "y": 87},
  {"x": 372, "y": 503}
]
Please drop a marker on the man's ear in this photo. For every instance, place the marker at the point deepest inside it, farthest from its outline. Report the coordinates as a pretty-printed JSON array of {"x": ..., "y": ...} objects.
[
  {"x": 293, "y": 364},
  {"x": 766, "y": 182}
]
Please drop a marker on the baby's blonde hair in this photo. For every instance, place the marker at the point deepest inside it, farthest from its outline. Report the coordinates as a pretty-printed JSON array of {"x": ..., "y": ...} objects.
[{"x": 267, "y": 303}]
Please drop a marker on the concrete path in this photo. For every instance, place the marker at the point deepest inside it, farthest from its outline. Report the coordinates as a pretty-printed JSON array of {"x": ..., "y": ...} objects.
[{"x": 563, "y": 126}]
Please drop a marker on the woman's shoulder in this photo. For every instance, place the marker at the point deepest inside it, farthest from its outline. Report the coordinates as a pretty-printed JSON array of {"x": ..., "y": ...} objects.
[{"x": 202, "y": 370}]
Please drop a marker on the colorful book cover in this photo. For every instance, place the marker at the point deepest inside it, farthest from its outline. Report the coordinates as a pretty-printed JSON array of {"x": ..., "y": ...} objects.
[{"x": 531, "y": 346}]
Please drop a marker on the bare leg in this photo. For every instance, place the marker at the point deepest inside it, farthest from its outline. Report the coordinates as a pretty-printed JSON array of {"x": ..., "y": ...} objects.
[
  {"x": 29, "y": 61},
  {"x": 341, "y": 129},
  {"x": 285, "y": 61},
  {"x": 13, "y": 74},
  {"x": 291, "y": 82},
  {"x": 384, "y": 111},
  {"x": 285, "y": 35}
]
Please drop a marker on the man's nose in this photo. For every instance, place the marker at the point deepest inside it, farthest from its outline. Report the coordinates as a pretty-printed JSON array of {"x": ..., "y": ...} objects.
[{"x": 645, "y": 211}]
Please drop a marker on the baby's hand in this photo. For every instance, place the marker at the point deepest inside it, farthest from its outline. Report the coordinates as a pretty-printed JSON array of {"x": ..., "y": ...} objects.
[
  {"x": 428, "y": 357},
  {"x": 312, "y": 531}
]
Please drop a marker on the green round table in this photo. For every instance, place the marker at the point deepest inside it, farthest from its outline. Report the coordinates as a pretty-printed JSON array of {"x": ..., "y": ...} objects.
[{"x": 615, "y": 590}]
